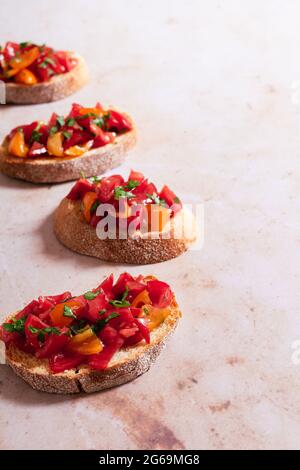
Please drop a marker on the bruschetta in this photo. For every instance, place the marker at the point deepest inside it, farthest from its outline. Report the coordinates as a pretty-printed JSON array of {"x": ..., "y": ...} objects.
[
  {"x": 103, "y": 338},
  {"x": 124, "y": 221},
  {"x": 87, "y": 141},
  {"x": 38, "y": 74}
]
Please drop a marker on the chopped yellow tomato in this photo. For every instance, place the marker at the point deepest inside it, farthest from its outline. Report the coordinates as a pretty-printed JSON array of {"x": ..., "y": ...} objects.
[
  {"x": 158, "y": 217},
  {"x": 141, "y": 299},
  {"x": 78, "y": 150},
  {"x": 95, "y": 111},
  {"x": 55, "y": 145},
  {"x": 17, "y": 146},
  {"x": 25, "y": 59},
  {"x": 88, "y": 200},
  {"x": 61, "y": 316},
  {"x": 149, "y": 278},
  {"x": 155, "y": 316},
  {"x": 26, "y": 77},
  {"x": 86, "y": 342}
]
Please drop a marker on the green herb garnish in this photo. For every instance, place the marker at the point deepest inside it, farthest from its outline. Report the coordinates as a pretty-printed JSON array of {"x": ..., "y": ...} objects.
[
  {"x": 70, "y": 122},
  {"x": 68, "y": 312},
  {"x": 122, "y": 302},
  {"x": 100, "y": 324},
  {"x": 15, "y": 326},
  {"x": 66, "y": 134},
  {"x": 53, "y": 130},
  {"x": 156, "y": 199},
  {"x": 24, "y": 44},
  {"x": 120, "y": 192},
  {"x": 60, "y": 120},
  {"x": 91, "y": 295},
  {"x": 132, "y": 184},
  {"x": 99, "y": 121}
]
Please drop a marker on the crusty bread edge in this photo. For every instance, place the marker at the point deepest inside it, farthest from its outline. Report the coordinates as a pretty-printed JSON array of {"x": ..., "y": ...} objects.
[
  {"x": 58, "y": 87},
  {"x": 73, "y": 231},
  {"x": 125, "y": 366},
  {"x": 56, "y": 170}
]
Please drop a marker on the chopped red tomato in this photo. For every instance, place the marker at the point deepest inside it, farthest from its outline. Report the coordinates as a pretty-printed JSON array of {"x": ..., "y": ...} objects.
[
  {"x": 160, "y": 293},
  {"x": 53, "y": 344},
  {"x": 61, "y": 362}
]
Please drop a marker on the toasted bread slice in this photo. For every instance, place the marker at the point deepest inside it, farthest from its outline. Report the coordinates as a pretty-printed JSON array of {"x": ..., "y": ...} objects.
[
  {"x": 126, "y": 365},
  {"x": 75, "y": 233},
  {"x": 56, "y": 170},
  {"x": 56, "y": 88}
]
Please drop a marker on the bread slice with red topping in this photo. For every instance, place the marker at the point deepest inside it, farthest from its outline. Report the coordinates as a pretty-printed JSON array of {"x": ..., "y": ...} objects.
[
  {"x": 162, "y": 228},
  {"x": 87, "y": 141},
  {"x": 39, "y": 74},
  {"x": 129, "y": 342},
  {"x": 56, "y": 88}
]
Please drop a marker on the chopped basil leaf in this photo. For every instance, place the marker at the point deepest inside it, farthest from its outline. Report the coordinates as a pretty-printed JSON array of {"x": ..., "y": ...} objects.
[
  {"x": 146, "y": 311},
  {"x": 120, "y": 192},
  {"x": 33, "y": 330},
  {"x": 53, "y": 130},
  {"x": 91, "y": 295},
  {"x": 99, "y": 121},
  {"x": 35, "y": 136},
  {"x": 100, "y": 324},
  {"x": 66, "y": 134},
  {"x": 132, "y": 184},
  {"x": 102, "y": 311},
  {"x": 111, "y": 316},
  {"x": 122, "y": 302},
  {"x": 156, "y": 199},
  {"x": 70, "y": 122},
  {"x": 68, "y": 312},
  {"x": 16, "y": 325},
  {"x": 177, "y": 200},
  {"x": 60, "y": 120},
  {"x": 96, "y": 179},
  {"x": 78, "y": 327},
  {"x": 94, "y": 206},
  {"x": 24, "y": 44}
]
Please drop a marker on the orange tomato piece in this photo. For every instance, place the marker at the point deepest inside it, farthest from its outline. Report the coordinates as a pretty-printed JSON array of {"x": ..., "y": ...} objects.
[
  {"x": 17, "y": 146},
  {"x": 57, "y": 314},
  {"x": 158, "y": 217},
  {"x": 141, "y": 299},
  {"x": 88, "y": 200},
  {"x": 155, "y": 316},
  {"x": 26, "y": 77},
  {"x": 77, "y": 150},
  {"x": 25, "y": 59},
  {"x": 55, "y": 145},
  {"x": 95, "y": 111},
  {"x": 86, "y": 343}
]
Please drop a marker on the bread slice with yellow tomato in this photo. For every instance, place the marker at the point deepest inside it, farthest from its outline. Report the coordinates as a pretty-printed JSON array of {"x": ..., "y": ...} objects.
[
  {"x": 124, "y": 220},
  {"x": 103, "y": 338},
  {"x": 39, "y": 74},
  {"x": 87, "y": 141}
]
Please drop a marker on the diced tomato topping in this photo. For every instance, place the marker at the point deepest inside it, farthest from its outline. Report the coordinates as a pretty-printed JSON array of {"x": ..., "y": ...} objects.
[
  {"x": 53, "y": 344},
  {"x": 118, "y": 122},
  {"x": 61, "y": 362},
  {"x": 170, "y": 198},
  {"x": 106, "y": 188},
  {"x": 160, "y": 293},
  {"x": 136, "y": 176},
  {"x": 78, "y": 191},
  {"x": 92, "y": 327},
  {"x": 101, "y": 360}
]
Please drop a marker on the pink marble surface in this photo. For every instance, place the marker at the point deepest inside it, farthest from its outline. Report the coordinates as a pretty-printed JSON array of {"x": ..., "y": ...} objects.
[{"x": 210, "y": 86}]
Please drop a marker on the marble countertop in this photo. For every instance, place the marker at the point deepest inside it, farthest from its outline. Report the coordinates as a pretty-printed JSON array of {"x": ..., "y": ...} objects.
[{"x": 213, "y": 88}]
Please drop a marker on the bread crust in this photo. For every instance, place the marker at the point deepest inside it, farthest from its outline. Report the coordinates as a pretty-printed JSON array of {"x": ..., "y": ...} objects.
[
  {"x": 73, "y": 231},
  {"x": 125, "y": 366},
  {"x": 56, "y": 88},
  {"x": 56, "y": 170}
]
